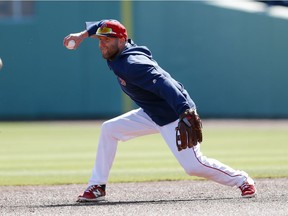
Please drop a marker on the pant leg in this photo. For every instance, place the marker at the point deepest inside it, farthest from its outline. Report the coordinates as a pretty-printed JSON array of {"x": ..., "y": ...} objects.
[
  {"x": 124, "y": 127},
  {"x": 194, "y": 163}
]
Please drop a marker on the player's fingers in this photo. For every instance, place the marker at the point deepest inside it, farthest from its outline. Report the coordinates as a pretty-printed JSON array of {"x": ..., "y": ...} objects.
[
  {"x": 183, "y": 135},
  {"x": 199, "y": 135},
  {"x": 191, "y": 137},
  {"x": 66, "y": 40}
]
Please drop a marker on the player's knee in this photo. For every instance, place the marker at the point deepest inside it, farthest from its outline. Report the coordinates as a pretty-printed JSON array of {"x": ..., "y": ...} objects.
[
  {"x": 193, "y": 173},
  {"x": 107, "y": 127},
  {"x": 189, "y": 172},
  {"x": 192, "y": 170}
]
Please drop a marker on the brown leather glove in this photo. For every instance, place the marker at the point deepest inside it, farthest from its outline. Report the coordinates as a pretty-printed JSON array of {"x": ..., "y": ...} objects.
[{"x": 189, "y": 130}]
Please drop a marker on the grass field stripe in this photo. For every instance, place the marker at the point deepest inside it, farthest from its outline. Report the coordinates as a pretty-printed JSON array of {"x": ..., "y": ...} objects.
[{"x": 64, "y": 152}]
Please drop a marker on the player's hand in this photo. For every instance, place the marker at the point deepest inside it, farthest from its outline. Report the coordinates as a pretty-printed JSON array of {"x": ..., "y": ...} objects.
[
  {"x": 189, "y": 130},
  {"x": 77, "y": 37}
]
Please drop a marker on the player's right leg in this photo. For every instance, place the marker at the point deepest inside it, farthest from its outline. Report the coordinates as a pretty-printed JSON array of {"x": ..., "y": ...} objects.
[
  {"x": 124, "y": 127},
  {"x": 196, "y": 164}
]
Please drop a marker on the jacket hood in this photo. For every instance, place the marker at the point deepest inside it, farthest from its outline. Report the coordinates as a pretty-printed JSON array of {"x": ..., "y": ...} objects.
[{"x": 133, "y": 49}]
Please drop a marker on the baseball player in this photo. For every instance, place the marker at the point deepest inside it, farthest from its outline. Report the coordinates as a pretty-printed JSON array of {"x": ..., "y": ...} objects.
[{"x": 164, "y": 106}]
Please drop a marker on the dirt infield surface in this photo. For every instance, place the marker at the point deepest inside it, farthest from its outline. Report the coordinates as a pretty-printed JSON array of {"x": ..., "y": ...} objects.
[{"x": 152, "y": 198}]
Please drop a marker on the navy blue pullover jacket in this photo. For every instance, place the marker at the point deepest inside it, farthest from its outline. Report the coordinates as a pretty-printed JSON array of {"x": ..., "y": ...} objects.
[{"x": 146, "y": 83}]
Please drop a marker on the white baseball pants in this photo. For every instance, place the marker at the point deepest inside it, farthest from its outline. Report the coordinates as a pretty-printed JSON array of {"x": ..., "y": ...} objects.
[{"x": 137, "y": 123}]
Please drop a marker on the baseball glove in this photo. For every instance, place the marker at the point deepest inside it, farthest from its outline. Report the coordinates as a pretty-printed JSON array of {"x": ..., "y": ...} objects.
[{"x": 189, "y": 130}]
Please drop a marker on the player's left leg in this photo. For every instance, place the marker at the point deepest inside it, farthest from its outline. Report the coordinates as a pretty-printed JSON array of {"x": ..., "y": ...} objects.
[{"x": 194, "y": 163}]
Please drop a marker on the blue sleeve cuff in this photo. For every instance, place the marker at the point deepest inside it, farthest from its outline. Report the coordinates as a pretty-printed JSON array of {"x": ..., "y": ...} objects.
[{"x": 92, "y": 27}]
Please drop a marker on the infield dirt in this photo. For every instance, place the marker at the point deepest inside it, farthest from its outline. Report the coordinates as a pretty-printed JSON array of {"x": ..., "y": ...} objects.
[{"x": 195, "y": 197}]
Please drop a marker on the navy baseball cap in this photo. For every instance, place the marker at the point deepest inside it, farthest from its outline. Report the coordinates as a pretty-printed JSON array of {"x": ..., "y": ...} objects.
[{"x": 112, "y": 28}]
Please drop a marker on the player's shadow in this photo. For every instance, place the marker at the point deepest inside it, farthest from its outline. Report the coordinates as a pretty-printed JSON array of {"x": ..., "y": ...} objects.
[{"x": 136, "y": 202}]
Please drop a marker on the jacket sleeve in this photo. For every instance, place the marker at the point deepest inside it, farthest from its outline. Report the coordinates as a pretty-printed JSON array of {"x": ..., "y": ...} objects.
[
  {"x": 154, "y": 79},
  {"x": 92, "y": 27}
]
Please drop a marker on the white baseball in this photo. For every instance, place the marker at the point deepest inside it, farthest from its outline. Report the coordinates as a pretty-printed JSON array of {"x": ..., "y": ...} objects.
[
  {"x": 1, "y": 64},
  {"x": 71, "y": 44}
]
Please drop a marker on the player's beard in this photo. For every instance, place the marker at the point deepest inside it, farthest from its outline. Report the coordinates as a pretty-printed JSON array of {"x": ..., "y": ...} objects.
[{"x": 110, "y": 52}]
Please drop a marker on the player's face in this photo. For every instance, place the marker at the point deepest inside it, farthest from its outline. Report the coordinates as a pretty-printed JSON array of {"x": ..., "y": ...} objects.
[{"x": 109, "y": 47}]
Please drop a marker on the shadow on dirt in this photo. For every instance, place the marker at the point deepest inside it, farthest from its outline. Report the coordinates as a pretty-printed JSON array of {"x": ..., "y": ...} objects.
[{"x": 113, "y": 203}]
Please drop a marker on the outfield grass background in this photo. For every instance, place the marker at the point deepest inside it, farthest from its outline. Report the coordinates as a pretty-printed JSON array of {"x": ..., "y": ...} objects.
[{"x": 33, "y": 153}]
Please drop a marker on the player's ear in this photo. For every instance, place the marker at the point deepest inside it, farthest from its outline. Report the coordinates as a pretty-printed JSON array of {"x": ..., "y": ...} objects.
[{"x": 122, "y": 41}]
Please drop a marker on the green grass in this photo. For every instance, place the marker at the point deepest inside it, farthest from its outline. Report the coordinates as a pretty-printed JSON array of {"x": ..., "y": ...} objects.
[{"x": 63, "y": 153}]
